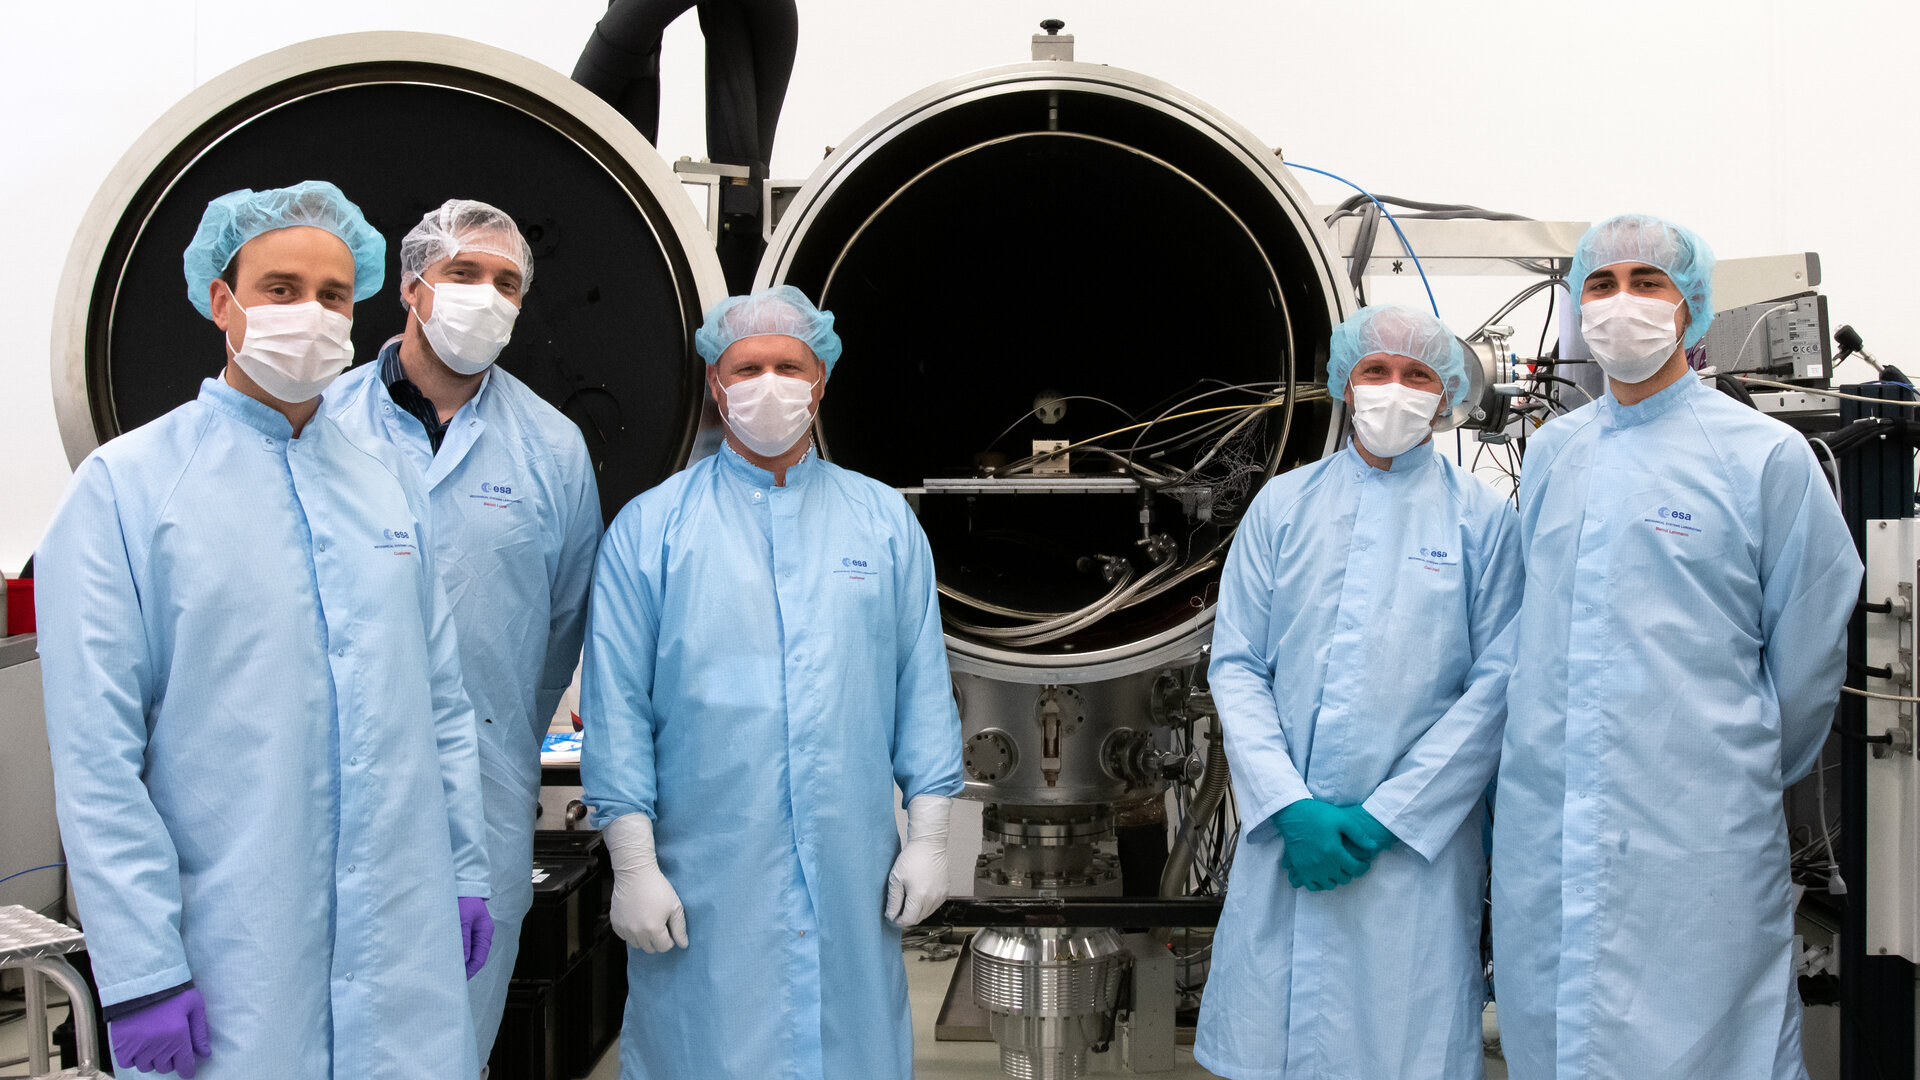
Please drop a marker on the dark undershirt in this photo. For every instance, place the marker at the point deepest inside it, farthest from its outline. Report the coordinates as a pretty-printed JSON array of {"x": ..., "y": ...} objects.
[
  {"x": 127, "y": 1008},
  {"x": 408, "y": 397}
]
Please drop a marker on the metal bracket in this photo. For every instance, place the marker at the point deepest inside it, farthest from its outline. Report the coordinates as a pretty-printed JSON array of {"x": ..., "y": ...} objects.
[
  {"x": 1145, "y": 1031},
  {"x": 1900, "y": 740},
  {"x": 1053, "y": 45},
  {"x": 711, "y": 175},
  {"x": 775, "y": 197}
]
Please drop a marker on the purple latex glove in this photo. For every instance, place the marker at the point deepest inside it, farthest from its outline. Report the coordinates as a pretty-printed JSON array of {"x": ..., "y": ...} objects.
[
  {"x": 476, "y": 932},
  {"x": 166, "y": 1036}
]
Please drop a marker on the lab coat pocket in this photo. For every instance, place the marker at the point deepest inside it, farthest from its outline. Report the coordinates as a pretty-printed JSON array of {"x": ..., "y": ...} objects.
[
  {"x": 859, "y": 594},
  {"x": 1683, "y": 549},
  {"x": 1424, "y": 617}
]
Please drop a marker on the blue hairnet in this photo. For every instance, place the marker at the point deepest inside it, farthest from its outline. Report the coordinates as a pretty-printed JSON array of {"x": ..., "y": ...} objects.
[
  {"x": 782, "y": 309},
  {"x": 1643, "y": 238},
  {"x": 238, "y": 216},
  {"x": 1402, "y": 331}
]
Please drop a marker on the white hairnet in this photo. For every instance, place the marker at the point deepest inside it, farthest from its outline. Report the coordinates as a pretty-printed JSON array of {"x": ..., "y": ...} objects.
[{"x": 464, "y": 225}]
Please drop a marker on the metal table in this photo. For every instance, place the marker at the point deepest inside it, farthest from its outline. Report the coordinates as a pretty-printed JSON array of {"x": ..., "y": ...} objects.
[{"x": 38, "y": 946}]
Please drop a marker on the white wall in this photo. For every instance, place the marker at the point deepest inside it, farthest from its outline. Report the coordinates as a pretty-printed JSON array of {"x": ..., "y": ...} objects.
[{"x": 1767, "y": 126}]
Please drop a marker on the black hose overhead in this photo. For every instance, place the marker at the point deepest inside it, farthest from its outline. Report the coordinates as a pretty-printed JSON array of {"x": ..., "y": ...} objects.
[{"x": 751, "y": 45}]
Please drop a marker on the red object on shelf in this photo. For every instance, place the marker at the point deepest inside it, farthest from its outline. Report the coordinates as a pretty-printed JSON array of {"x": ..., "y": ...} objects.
[{"x": 19, "y": 606}]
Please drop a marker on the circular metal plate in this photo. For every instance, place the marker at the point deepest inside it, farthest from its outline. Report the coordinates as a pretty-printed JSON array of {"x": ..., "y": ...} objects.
[{"x": 622, "y": 267}]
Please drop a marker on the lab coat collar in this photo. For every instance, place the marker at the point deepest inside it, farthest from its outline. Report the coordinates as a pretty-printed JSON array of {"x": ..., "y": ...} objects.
[
  {"x": 1404, "y": 465},
  {"x": 391, "y": 368},
  {"x": 264, "y": 418},
  {"x": 1626, "y": 416},
  {"x": 456, "y": 441},
  {"x": 797, "y": 474}
]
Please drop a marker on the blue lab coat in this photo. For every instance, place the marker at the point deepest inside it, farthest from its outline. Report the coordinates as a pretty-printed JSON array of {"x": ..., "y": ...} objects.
[
  {"x": 763, "y": 665},
  {"x": 1359, "y": 657},
  {"x": 516, "y": 520},
  {"x": 265, "y": 764},
  {"x": 1689, "y": 581}
]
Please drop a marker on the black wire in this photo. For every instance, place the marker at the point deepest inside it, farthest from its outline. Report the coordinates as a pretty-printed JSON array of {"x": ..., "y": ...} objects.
[
  {"x": 1363, "y": 242},
  {"x": 1352, "y": 203},
  {"x": 1515, "y": 301},
  {"x": 1544, "y": 377},
  {"x": 1541, "y": 349},
  {"x": 1735, "y": 389}
]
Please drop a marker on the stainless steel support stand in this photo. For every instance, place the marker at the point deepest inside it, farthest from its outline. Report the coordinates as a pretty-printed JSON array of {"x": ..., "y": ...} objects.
[
  {"x": 1145, "y": 1031},
  {"x": 37, "y": 945}
]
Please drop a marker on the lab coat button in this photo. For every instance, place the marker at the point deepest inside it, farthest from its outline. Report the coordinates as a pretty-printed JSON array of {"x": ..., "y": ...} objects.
[
  {"x": 351, "y": 868},
  {"x": 803, "y": 933},
  {"x": 349, "y": 976}
]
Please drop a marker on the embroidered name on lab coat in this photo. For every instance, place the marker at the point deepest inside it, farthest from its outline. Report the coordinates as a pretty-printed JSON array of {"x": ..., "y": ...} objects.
[{"x": 1672, "y": 522}]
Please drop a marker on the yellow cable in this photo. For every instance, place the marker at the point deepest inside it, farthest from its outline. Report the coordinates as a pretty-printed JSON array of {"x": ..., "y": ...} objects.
[{"x": 1157, "y": 420}]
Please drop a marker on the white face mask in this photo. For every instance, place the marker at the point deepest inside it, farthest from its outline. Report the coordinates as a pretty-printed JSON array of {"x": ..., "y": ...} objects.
[
  {"x": 469, "y": 326},
  {"x": 293, "y": 350},
  {"x": 1390, "y": 419},
  {"x": 770, "y": 412},
  {"x": 1631, "y": 336}
]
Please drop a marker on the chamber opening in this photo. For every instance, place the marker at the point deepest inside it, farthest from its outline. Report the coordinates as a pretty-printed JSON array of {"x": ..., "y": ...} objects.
[
  {"x": 1049, "y": 265},
  {"x": 605, "y": 331}
]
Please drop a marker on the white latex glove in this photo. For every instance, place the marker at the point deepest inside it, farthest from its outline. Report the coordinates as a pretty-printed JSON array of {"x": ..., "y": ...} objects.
[
  {"x": 646, "y": 910},
  {"x": 918, "y": 881}
]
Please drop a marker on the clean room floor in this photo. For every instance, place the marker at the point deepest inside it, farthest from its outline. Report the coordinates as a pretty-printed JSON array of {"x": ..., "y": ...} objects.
[{"x": 926, "y": 987}]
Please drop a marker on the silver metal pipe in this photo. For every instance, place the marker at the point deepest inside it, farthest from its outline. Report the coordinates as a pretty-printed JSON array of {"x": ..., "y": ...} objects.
[
  {"x": 79, "y": 1006},
  {"x": 1213, "y": 787},
  {"x": 36, "y": 1021}
]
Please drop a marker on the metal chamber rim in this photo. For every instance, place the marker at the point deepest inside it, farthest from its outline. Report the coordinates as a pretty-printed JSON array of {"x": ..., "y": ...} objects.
[{"x": 1185, "y": 641}]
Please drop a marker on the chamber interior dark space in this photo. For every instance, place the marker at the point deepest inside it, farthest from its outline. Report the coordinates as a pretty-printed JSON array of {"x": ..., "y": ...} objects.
[
  {"x": 1040, "y": 263},
  {"x": 398, "y": 150},
  {"x": 1055, "y": 263}
]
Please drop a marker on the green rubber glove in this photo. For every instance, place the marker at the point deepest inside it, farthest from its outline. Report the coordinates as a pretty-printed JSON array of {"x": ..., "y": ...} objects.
[
  {"x": 1316, "y": 854},
  {"x": 1364, "y": 831}
]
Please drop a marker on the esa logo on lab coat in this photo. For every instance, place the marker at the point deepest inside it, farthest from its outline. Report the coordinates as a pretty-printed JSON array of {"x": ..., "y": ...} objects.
[
  {"x": 1435, "y": 558},
  {"x": 493, "y": 494},
  {"x": 853, "y": 569},
  {"x": 395, "y": 542},
  {"x": 1672, "y": 521}
]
